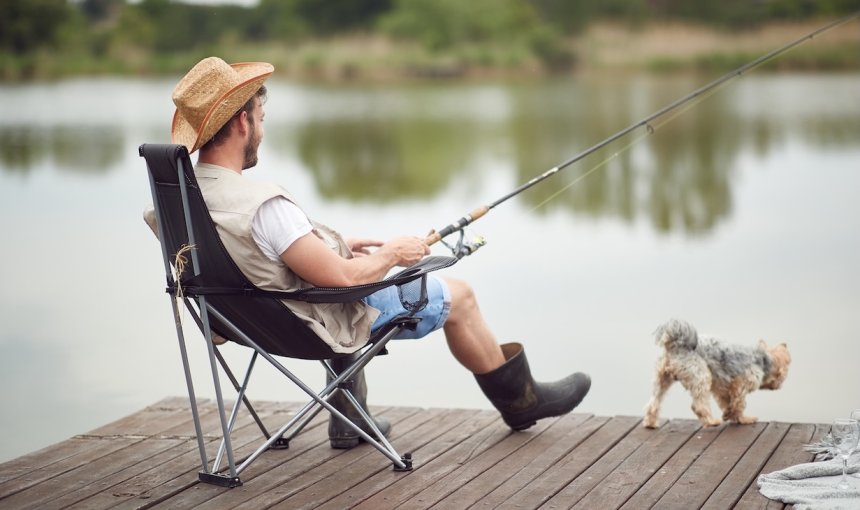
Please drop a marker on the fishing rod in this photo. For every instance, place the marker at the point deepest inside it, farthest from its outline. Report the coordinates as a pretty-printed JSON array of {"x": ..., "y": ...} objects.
[{"x": 464, "y": 247}]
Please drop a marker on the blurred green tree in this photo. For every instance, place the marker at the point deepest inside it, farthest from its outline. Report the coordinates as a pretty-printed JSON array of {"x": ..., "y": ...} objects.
[
  {"x": 28, "y": 25},
  {"x": 443, "y": 24},
  {"x": 334, "y": 16}
]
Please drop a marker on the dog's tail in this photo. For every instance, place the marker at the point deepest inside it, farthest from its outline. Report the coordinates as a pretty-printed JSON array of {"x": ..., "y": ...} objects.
[{"x": 676, "y": 334}]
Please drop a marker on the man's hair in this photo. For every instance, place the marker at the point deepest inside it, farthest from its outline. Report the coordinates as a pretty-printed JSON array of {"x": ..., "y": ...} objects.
[{"x": 219, "y": 137}]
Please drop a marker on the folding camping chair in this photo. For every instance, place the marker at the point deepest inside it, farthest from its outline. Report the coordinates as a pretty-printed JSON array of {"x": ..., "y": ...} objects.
[{"x": 223, "y": 302}]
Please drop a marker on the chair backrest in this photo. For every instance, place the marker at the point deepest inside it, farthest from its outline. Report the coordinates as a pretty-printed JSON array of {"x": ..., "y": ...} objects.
[{"x": 184, "y": 221}]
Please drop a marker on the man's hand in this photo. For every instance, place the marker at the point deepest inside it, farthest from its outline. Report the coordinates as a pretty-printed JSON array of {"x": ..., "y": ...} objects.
[
  {"x": 406, "y": 250},
  {"x": 359, "y": 247}
]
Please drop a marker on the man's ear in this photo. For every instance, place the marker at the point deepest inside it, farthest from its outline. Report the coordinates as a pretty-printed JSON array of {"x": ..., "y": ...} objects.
[{"x": 241, "y": 122}]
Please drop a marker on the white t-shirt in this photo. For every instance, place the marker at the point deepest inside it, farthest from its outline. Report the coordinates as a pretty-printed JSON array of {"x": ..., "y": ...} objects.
[{"x": 278, "y": 224}]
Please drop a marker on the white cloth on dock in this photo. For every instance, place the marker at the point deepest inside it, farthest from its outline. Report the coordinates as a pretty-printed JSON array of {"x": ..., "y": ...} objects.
[{"x": 812, "y": 485}]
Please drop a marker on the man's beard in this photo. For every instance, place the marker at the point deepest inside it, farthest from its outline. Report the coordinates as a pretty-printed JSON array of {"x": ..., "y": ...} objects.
[{"x": 251, "y": 149}]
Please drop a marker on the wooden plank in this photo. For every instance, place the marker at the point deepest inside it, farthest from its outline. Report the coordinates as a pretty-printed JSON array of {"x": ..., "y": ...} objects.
[
  {"x": 662, "y": 480},
  {"x": 383, "y": 485},
  {"x": 307, "y": 451},
  {"x": 180, "y": 472},
  {"x": 463, "y": 458},
  {"x": 346, "y": 476},
  {"x": 578, "y": 460},
  {"x": 247, "y": 440},
  {"x": 697, "y": 483},
  {"x": 744, "y": 473},
  {"x": 638, "y": 467},
  {"x": 477, "y": 464},
  {"x": 483, "y": 434},
  {"x": 40, "y": 459},
  {"x": 64, "y": 450},
  {"x": 576, "y": 430},
  {"x": 127, "y": 484},
  {"x": 150, "y": 421},
  {"x": 125, "y": 466},
  {"x": 788, "y": 453},
  {"x": 262, "y": 489},
  {"x": 306, "y": 471},
  {"x": 599, "y": 470},
  {"x": 91, "y": 450},
  {"x": 41, "y": 495},
  {"x": 518, "y": 470}
]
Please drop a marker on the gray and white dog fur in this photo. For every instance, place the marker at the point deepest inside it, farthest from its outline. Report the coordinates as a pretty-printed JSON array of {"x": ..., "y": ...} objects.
[{"x": 707, "y": 366}]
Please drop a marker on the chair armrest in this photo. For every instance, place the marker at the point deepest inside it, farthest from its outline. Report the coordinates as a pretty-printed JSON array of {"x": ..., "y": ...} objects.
[
  {"x": 354, "y": 293},
  {"x": 322, "y": 294}
]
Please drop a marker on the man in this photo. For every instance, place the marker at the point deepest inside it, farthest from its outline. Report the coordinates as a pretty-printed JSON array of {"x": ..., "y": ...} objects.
[{"x": 219, "y": 110}]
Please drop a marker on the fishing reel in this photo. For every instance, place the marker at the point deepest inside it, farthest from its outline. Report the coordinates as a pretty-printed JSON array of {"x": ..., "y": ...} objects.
[{"x": 465, "y": 247}]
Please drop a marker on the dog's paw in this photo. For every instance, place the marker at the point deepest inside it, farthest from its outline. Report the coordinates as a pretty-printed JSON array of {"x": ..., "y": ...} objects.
[
  {"x": 711, "y": 422},
  {"x": 747, "y": 420},
  {"x": 649, "y": 423}
]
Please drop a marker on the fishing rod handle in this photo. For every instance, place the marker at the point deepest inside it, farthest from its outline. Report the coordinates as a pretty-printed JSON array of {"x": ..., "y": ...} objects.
[{"x": 435, "y": 237}]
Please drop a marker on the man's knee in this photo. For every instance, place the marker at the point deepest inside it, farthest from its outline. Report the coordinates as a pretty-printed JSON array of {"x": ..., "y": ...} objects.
[
  {"x": 460, "y": 289},
  {"x": 462, "y": 295}
]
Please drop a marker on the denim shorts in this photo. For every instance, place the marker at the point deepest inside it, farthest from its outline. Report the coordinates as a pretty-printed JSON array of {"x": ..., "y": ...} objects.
[{"x": 433, "y": 316}]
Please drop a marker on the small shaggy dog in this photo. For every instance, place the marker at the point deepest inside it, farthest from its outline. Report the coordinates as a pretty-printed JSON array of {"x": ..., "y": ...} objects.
[{"x": 705, "y": 366}]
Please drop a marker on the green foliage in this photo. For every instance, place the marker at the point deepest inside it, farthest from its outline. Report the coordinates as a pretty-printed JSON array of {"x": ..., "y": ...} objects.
[
  {"x": 745, "y": 13},
  {"x": 99, "y": 10},
  {"x": 800, "y": 9},
  {"x": 286, "y": 19},
  {"x": 49, "y": 37},
  {"x": 29, "y": 25},
  {"x": 572, "y": 17},
  {"x": 444, "y": 24},
  {"x": 334, "y": 16},
  {"x": 486, "y": 32},
  {"x": 183, "y": 26}
]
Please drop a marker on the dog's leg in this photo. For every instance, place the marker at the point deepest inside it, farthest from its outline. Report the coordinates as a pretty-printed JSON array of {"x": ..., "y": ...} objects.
[
  {"x": 662, "y": 381},
  {"x": 736, "y": 401},
  {"x": 696, "y": 379},
  {"x": 723, "y": 401}
]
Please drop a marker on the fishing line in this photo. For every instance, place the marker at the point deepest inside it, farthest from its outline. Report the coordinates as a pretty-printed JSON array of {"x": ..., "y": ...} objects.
[{"x": 692, "y": 98}]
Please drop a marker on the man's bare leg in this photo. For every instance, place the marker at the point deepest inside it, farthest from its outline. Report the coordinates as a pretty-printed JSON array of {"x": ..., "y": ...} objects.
[{"x": 469, "y": 337}]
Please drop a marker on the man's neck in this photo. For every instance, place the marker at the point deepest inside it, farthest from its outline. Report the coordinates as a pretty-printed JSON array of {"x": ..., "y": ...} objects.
[{"x": 220, "y": 158}]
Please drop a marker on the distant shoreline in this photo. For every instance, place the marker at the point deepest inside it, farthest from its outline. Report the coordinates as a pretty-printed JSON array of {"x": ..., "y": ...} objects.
[
  {"x": 684, "y": 46},
  {"x": 654, "y": 47}
]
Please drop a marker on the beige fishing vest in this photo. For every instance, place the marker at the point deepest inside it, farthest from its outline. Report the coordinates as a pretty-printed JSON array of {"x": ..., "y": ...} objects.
[{"x": 233, "y": 201}]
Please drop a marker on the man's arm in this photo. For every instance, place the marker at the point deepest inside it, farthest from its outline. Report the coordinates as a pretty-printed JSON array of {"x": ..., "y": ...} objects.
[{"x": 311, "y": 259}]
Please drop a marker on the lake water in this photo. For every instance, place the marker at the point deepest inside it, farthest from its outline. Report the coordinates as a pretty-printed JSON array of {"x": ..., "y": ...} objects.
[{"x": 741, "y": 216}]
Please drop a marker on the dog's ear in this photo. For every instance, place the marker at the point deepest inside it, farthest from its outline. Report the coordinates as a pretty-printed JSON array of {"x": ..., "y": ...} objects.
[{"x": 762, "y": 344}]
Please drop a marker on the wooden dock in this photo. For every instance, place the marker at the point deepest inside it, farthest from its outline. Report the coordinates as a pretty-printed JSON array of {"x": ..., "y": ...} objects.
[{"x": 463, "y": 459}]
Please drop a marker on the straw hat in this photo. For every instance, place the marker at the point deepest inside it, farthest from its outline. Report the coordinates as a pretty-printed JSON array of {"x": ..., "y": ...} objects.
[{"x": 210, "y": 94}]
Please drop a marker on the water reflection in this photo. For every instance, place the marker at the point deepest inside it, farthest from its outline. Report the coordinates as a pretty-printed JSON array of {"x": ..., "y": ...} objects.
[
  {"x": 382, "y": 160},
  {"x": 80, "y": 149},
  {"x": 680, "y": 183},
  {"x": 401, "y": 143}
]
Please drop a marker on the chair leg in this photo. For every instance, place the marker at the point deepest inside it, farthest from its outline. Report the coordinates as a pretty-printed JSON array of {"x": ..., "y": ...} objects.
[
  {"x": 318, "y": 401},
  {"x": 353, "y": 404},
  {"x": 192, "y": 398},
  {"x": 240, "y": 390}
]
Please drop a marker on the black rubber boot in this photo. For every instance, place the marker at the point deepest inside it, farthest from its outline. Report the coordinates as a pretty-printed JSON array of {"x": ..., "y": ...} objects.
[
  {"x": 521, "y": 400},
  {"x": 341, "y": 435}
]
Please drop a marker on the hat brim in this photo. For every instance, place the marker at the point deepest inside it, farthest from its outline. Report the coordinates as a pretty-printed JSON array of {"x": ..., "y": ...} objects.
[{"x": 251, "y": 78}]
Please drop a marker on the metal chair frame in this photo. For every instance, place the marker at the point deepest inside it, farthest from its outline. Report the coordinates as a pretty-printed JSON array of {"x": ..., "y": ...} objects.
[{"x": 197, "y": 294}]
